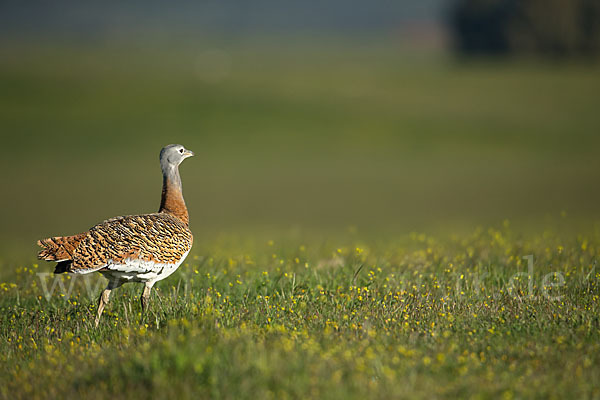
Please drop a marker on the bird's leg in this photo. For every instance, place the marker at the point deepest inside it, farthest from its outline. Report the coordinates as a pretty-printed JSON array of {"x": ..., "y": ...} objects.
[
  {"x": 146, "y": 297},
  {"x": 104, "y": 297}
]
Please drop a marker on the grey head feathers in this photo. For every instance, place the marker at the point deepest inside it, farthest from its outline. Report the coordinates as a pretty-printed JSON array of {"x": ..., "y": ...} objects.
[{"x": 170, "y": 158}]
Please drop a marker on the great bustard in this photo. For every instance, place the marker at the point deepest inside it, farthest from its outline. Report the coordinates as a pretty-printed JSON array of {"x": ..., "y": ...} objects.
[{"x": 136, "y": 248}]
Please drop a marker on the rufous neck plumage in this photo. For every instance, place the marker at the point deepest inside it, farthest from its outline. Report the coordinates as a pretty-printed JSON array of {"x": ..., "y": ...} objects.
[{"x": 172, "y": 195}]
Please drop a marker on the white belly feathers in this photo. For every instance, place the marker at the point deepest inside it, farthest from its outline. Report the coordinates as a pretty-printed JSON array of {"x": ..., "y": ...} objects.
[{"x": 136, "y": 270}]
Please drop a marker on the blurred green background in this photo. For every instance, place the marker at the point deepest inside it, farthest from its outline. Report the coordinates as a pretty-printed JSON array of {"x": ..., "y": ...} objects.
[{"x": 315, "y": 132}]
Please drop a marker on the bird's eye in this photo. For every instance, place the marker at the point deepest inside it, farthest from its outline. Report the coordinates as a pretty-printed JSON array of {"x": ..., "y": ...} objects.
[{"x": 181, "y": 151}]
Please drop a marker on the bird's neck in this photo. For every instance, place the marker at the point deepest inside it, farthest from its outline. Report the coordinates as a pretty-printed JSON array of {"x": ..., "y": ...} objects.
[{"x": 172, "y": 196}]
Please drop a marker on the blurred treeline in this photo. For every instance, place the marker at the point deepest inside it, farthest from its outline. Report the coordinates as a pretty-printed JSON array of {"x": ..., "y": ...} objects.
[{"x": 557, "y": 28}]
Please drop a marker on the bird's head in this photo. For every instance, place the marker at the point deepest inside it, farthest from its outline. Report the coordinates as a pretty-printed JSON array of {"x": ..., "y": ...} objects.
[{"x": 172, "y": 155}]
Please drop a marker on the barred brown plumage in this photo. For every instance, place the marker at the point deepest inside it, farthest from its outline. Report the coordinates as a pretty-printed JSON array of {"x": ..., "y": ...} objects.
[
  {"x": 137, "y": 248},
  {"x": 59, "y": 248},
  {"x": 160, "y": 238}
]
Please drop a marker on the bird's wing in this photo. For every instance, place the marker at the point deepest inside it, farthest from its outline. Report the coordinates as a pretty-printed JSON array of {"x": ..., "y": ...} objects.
[{"x": 157, "y": 238}]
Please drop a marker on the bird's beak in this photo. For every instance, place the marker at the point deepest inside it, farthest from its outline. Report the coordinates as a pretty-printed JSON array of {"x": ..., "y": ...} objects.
[{"x": 188, "y": 153}]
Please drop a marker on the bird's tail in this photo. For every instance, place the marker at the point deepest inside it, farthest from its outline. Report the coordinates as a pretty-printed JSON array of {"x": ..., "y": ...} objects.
[{"x": 59, "y": 248}]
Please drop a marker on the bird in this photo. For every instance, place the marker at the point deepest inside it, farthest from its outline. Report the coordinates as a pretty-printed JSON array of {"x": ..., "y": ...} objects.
[{"x": 142, "y": 248}]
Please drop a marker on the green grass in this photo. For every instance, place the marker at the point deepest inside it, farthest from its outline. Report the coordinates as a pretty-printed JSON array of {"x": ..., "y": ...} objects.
[
  {"x": 414, "y": 317},
  {"x": 314, "y": 163}
]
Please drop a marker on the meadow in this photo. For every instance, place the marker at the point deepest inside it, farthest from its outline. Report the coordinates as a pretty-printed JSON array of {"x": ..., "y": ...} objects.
[
  {"x": 369, "y": 220},
  {"x": 419, "y": 317}
]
